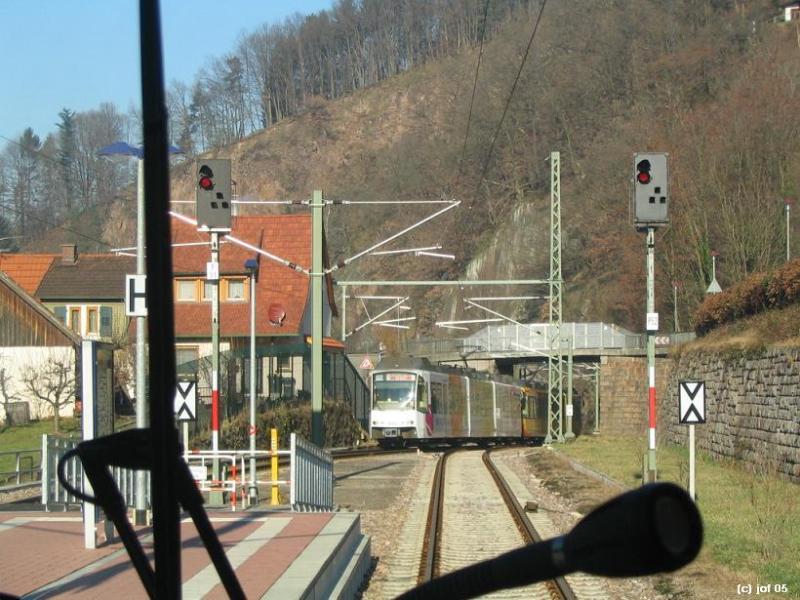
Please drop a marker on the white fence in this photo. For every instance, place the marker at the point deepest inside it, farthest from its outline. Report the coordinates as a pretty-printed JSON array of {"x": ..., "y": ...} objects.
[
  {"x": 310, "y": 474},
  {"x": 54, "y": 496}
]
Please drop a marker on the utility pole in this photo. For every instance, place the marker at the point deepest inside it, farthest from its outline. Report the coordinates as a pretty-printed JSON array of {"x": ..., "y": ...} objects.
[
  {"x": 555, "y": 370},
  {"x": 317, "y": 274},
  {"x": 251, "y": 264},
  {"x": 212, "y": 275},
  {"x": 140, "y": 508},
  {"x": 652, "y": 327}
]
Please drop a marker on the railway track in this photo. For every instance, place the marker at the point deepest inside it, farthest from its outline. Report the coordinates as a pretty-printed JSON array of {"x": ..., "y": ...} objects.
[{"x": 475, "y": 513}]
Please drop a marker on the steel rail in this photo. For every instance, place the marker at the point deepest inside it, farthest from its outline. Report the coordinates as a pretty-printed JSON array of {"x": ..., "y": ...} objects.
[
  {"x": 559, "y": 585},
  {"x": 431, "y": 543}
]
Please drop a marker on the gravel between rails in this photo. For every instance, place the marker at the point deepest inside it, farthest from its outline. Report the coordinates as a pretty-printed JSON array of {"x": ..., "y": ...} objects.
[{"x": 476, "y": 522}]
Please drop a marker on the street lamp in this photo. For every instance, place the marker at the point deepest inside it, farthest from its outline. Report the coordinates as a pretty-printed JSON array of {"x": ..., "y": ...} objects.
[
  {"x": 788, "y": 203},
  {"x": 125, "y": 149},
  {"x": 251, "y": 264},
  {"x": 714, "y": 287},
  {"x": 675, "y": 285}
]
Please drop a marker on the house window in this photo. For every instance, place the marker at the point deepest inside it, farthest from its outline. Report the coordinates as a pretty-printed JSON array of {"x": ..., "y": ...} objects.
[
  {"x": 186, "y": 290},
  {"x": 186, "y": 357},
  {"x": 208, "y": 290},
  {"x": 236, "y": 289},
  {"x": 92, "y": 321},
  {"x": 75, "y": 319}
]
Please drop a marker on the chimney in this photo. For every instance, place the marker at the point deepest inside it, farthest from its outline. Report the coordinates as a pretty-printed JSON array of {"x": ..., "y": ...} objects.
[{"x": 69, "y": 254}]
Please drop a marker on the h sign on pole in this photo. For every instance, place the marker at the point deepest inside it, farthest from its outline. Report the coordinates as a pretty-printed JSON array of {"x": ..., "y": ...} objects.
[{"x": 135, "y": 297}]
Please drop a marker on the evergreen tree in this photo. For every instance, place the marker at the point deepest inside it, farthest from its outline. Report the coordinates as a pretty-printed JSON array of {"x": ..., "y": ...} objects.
[{"x": 67, "y": 148}]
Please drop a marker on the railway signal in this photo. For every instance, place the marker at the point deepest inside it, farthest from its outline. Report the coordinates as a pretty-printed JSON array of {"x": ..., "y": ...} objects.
[
  {"x": 650, "y": 204},
  {"x": 650, "y": 190},
  {"x": 214, "y": 194}
]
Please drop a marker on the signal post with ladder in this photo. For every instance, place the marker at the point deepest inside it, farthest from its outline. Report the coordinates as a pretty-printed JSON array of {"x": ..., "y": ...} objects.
[
  {"x": 650, "y": 204},
  {"x": 213, "y": 202}
]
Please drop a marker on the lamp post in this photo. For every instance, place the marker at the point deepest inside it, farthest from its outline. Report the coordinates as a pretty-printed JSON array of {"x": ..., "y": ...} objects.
[
  {"x": 251, "y": 264},
  {"x": 714, "y": 287},
  {"x": 788, "y": 203},
  {"x": 125, "y": 149}
]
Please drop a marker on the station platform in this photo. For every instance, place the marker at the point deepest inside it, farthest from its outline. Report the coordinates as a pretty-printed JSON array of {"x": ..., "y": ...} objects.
[{"x": 277, "y": 556}]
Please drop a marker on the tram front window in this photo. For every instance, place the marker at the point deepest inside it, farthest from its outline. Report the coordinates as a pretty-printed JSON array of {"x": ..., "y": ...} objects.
[{"x": 394, "y": 391}]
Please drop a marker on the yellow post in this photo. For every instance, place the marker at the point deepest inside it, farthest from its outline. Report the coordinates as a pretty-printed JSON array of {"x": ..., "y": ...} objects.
[{"x": 274, "y": 448}]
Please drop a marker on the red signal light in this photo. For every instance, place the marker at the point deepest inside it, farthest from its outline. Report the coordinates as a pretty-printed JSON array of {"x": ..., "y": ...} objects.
[
  {"x": 643, "y": 172},
  {"x": 206, "y": 181}
]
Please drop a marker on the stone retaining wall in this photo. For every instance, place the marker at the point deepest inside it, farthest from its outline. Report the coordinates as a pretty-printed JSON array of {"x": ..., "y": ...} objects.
[
  {"x": 752, "y": 407},
  {"x": 752, "y": 404}
]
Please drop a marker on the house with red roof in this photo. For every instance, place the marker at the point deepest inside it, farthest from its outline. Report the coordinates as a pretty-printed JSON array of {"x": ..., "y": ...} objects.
[
  {"x": 26, "y": 270},
  {"x": 283, "y": 303},
  {"x": 86, "y": 292}
]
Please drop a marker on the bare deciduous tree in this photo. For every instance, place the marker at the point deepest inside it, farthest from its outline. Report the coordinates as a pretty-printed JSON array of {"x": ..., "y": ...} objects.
[
  {"x": 51, "y": 383},
  {"x": 7, "y": 395}
]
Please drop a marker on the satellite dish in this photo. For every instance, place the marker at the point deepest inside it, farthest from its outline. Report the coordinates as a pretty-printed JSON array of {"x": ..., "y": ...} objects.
[{"x": 276, "y": 314}]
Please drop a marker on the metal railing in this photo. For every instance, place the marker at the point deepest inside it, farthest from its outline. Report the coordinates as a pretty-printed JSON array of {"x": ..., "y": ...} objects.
[
  {"x": 536, "y": 338},
  {"x": 54, "y": 496},
  {"x": 310, "y": 474},
  {"x": 27, "y": 468}
]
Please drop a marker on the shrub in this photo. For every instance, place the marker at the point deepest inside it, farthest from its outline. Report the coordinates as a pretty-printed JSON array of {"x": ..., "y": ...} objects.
[
  {"x": 290, "y": 416},
  {"x": 760, "y": 291}
]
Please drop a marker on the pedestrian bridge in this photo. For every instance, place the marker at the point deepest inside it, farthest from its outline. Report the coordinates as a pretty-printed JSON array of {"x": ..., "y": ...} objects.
[{"x": 529, "y": 340}]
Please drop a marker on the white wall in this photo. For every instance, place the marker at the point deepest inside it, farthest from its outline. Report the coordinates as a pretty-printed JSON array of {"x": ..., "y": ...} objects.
[{"x": 18, "y": 360}]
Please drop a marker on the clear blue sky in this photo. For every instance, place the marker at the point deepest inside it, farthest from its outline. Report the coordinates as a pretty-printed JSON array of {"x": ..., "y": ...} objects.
[{"x": 77, "y": 54}]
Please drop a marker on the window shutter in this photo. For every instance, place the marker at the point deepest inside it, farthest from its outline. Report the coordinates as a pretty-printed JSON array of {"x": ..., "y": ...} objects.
[
  {"x": 105, "y": 321},
  {"x": 61, "y": 314}
]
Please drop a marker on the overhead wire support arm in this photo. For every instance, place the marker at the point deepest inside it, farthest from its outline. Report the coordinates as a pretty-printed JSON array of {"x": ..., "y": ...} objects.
[
  {"x": 378, "y": 316},
  {"x": 243, "y": 244},
  {"x": 451, "y": 205},
  {"x": 457, "y": 282}
]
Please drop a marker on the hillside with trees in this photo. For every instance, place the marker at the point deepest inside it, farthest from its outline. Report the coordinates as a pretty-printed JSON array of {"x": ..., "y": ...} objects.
[{"x": 377, "y": 100}]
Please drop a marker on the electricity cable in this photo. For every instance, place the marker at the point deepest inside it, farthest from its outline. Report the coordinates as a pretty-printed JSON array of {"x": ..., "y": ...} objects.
[{"x": 508, "y": 100}]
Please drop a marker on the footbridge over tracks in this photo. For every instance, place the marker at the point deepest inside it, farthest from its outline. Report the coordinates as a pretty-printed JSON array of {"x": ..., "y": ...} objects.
[{"x": 524, "y": 342}]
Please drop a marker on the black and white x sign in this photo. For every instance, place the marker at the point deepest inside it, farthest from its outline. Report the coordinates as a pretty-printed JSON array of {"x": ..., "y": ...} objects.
[
  {"x": 185, "y": 403},
  {"x": 692, "y": 402}
]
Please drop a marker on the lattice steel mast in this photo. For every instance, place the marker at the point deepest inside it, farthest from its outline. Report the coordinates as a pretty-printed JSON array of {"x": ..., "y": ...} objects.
[{"x": 555, "y": 374}]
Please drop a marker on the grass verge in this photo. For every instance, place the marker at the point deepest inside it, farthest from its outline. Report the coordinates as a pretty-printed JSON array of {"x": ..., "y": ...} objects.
[
  {"x": 752, "y": 520},
  {"x": 26, "y": 437}
]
